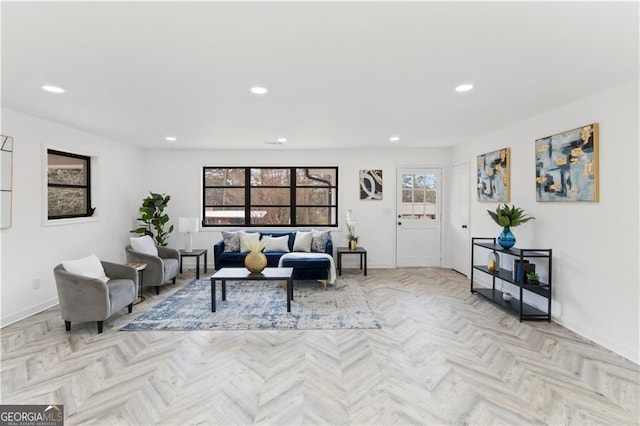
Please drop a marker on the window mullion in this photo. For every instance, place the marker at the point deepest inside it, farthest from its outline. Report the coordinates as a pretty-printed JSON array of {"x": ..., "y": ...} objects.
[
  {"x": 293, "y": 178},
  {"x": 247, "y": 196}
]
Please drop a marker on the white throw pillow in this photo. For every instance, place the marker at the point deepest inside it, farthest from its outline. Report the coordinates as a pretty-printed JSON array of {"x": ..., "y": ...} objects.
[
  {"x": 303, "y": 241},
  {"x": 247, "y": 239},
  {"x": 89, "y": 266},
  {"x": 144, "y": 244},
  {"x": 272, "y": 243}
]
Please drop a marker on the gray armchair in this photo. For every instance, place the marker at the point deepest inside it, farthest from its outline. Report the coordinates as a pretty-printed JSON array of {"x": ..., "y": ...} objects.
[
  {"x": 90, "y": 299},
  {"x": 160, "y": 268}
]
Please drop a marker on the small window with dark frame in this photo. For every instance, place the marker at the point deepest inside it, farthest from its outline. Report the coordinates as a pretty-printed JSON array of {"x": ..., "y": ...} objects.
[
  {"x": 68, "y": 185},
  {"x": 270, "y": 196}
]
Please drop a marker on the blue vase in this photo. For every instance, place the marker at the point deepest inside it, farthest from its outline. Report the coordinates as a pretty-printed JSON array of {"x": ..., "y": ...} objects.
[{"x": 506, "y": 239}]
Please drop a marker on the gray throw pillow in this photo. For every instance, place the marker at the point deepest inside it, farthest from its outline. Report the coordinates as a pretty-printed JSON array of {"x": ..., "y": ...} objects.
[
  {"x": 231, "y": 242},
  {"x": 319, "y": 240}
]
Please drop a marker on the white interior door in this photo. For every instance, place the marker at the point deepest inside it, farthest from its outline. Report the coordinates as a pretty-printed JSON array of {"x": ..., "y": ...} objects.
[
  {"x": 458, "y": 234},
  {"x": 418, "y": 215}
]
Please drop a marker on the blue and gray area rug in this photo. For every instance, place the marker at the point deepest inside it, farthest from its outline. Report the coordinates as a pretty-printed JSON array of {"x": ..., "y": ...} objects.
[{"x": 260, "y": 305}]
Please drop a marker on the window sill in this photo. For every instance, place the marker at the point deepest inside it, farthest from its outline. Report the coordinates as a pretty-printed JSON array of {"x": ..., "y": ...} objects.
[{"x": 70, "y": 221}]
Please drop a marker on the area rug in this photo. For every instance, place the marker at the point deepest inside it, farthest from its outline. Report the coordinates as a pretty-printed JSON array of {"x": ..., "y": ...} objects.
[{"x": 260, "y": 305}]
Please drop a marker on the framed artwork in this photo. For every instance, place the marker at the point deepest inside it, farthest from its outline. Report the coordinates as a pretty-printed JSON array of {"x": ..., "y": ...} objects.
[
  {"x": 6, "y": 180},
  {"x": 493, "y": 176},
  {"x": 567, "y": 165},
  {"x": 371, "y": 184}
]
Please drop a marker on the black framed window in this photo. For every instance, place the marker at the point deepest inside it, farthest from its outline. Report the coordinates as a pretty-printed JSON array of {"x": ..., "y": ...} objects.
[
  {"x": 68, "y": 185},
  {"x": 270, "y": 196}
]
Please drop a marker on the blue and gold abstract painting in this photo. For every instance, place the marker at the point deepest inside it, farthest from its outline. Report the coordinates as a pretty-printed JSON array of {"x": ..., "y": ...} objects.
[
  {"x": 567, "y": 165},
  {"x": 493, "y": 176}
]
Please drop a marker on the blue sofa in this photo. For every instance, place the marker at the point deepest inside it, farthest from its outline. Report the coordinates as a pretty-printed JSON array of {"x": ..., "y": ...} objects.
[{"x": 303, "y": 269}]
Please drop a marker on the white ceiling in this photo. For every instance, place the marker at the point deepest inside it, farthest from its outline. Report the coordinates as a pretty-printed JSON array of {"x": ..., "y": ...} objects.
[{"x": 340, "y": 75}]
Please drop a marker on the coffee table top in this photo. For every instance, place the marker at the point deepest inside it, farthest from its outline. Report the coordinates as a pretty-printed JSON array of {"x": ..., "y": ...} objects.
[{"x": 243, "y": 273}]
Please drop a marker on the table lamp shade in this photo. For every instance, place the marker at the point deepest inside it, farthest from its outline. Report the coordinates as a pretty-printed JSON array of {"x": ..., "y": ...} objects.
[{"x": 188, "y": 224}]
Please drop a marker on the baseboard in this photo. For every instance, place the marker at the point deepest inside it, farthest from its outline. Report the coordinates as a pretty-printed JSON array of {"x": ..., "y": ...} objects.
[
  {"x": 619, "y": 347},
  {"x": 25, "y": 313}
]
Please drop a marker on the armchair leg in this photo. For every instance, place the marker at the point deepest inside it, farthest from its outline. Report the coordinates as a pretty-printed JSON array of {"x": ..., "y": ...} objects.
[
  {"x": 130, "y": 307},
  {"x": 174, "y": 280},
  {"x": 67, "y": 325},
  {"x": 157, "y": 289},
  {"x": 100, "y": 323},
  {"x": 324, "y": 283}
]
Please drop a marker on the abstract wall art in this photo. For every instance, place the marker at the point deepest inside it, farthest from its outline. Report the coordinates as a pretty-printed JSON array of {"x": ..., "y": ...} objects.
[
  {"x": 493, "y": 176},
  {"x": 6, "y": 180},
  {"x": 371, "y": 184},
  {"x": 567, "y": 165}
]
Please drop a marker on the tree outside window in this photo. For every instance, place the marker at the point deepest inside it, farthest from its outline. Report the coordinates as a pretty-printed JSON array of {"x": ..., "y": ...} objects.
[
  {"x": 69, "y": 185},
  {"x": 270, "y": 196}
]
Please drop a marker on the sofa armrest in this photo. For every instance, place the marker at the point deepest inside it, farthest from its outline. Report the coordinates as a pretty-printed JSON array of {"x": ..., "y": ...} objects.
[
  {"x": 81, "y": 298},
  {"x": 118, "y": 271},
  {"x": 329, "y": 248},
  {"x": 154, "y": 274},
  {"x": 218, "y": 249},
  {"x": 168, "y": 253}
]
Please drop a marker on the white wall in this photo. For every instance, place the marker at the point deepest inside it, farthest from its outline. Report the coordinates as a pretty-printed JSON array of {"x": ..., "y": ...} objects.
[
  {"x": 179, "y": 173},
  {"x": 595, "y": 245},
  {"x": 31, "y": 248}
]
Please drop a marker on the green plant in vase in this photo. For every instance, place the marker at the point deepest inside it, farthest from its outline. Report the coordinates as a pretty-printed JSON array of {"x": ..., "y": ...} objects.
[
  {"x": 508, "y": 217},
  {"x": 533, "y": 278}
]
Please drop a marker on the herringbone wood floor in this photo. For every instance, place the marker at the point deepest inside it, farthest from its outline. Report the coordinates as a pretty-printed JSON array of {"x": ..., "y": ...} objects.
[{"x": 443, "y": 356}]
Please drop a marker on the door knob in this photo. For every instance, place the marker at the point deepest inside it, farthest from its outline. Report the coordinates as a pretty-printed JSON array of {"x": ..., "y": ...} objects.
[
  {"x": 464, "y": 226},
  {"x": 399, "y": 223}
]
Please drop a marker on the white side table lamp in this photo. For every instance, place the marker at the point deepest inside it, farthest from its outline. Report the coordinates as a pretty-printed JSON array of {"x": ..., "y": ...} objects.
[{"x": 188, "y": 225}]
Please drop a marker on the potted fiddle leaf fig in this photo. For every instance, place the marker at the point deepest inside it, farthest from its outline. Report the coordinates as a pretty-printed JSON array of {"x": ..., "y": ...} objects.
[{"x": 154, "y": 219}]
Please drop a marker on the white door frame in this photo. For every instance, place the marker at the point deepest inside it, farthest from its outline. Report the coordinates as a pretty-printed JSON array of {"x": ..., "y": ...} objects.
[
  {"x": 442, "y": 204},
  {"x": 465, "y": 265}
]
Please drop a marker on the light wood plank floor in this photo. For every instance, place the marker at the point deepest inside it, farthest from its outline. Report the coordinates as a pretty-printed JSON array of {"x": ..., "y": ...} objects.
[{"x": 443, "y": 356}]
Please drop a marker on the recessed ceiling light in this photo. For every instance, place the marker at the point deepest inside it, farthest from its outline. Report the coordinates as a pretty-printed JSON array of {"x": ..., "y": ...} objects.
[
  {"x": 259, "y": 90},
  {"x": 464, "y": 87},
  {"x": 282, "y": 140},
  {"x": 171, "y": 139},
  {"x": 394, "y": 139},
  {"x": 53, "y": 89}
]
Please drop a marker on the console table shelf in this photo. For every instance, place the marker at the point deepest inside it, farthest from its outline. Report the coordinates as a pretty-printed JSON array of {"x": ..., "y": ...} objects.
[{"x": 517, "y": 306}]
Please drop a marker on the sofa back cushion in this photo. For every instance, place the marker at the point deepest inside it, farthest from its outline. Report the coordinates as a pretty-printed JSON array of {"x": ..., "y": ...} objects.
[
  {"x": 248, "y": 239},
  {"x": 144, "y": 244},
  {"x": 303, "y": 241},
  {"x": 89, "y": 266},
  {"x": 319, "y": 240},
  {"x": 231, "y": 242},
  {"x": 279, "y": 244}
]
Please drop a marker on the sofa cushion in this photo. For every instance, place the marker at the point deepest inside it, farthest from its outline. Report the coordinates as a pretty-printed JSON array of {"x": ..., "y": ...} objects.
[
  {"x": 231, "y": 242},
  {"x": 144, "y": 244},
  {"x": 302, "y": 241},
  {"x": 319, "y": 240},
  {"x": 170, "y": 268},
  {"x": 89, "y": 266},
  {"x": 272, "y": 243},
  {"x": 248, "y": 239},
  {"x": 306, "y": 263},
  {"x": 232, "y": 260}
]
